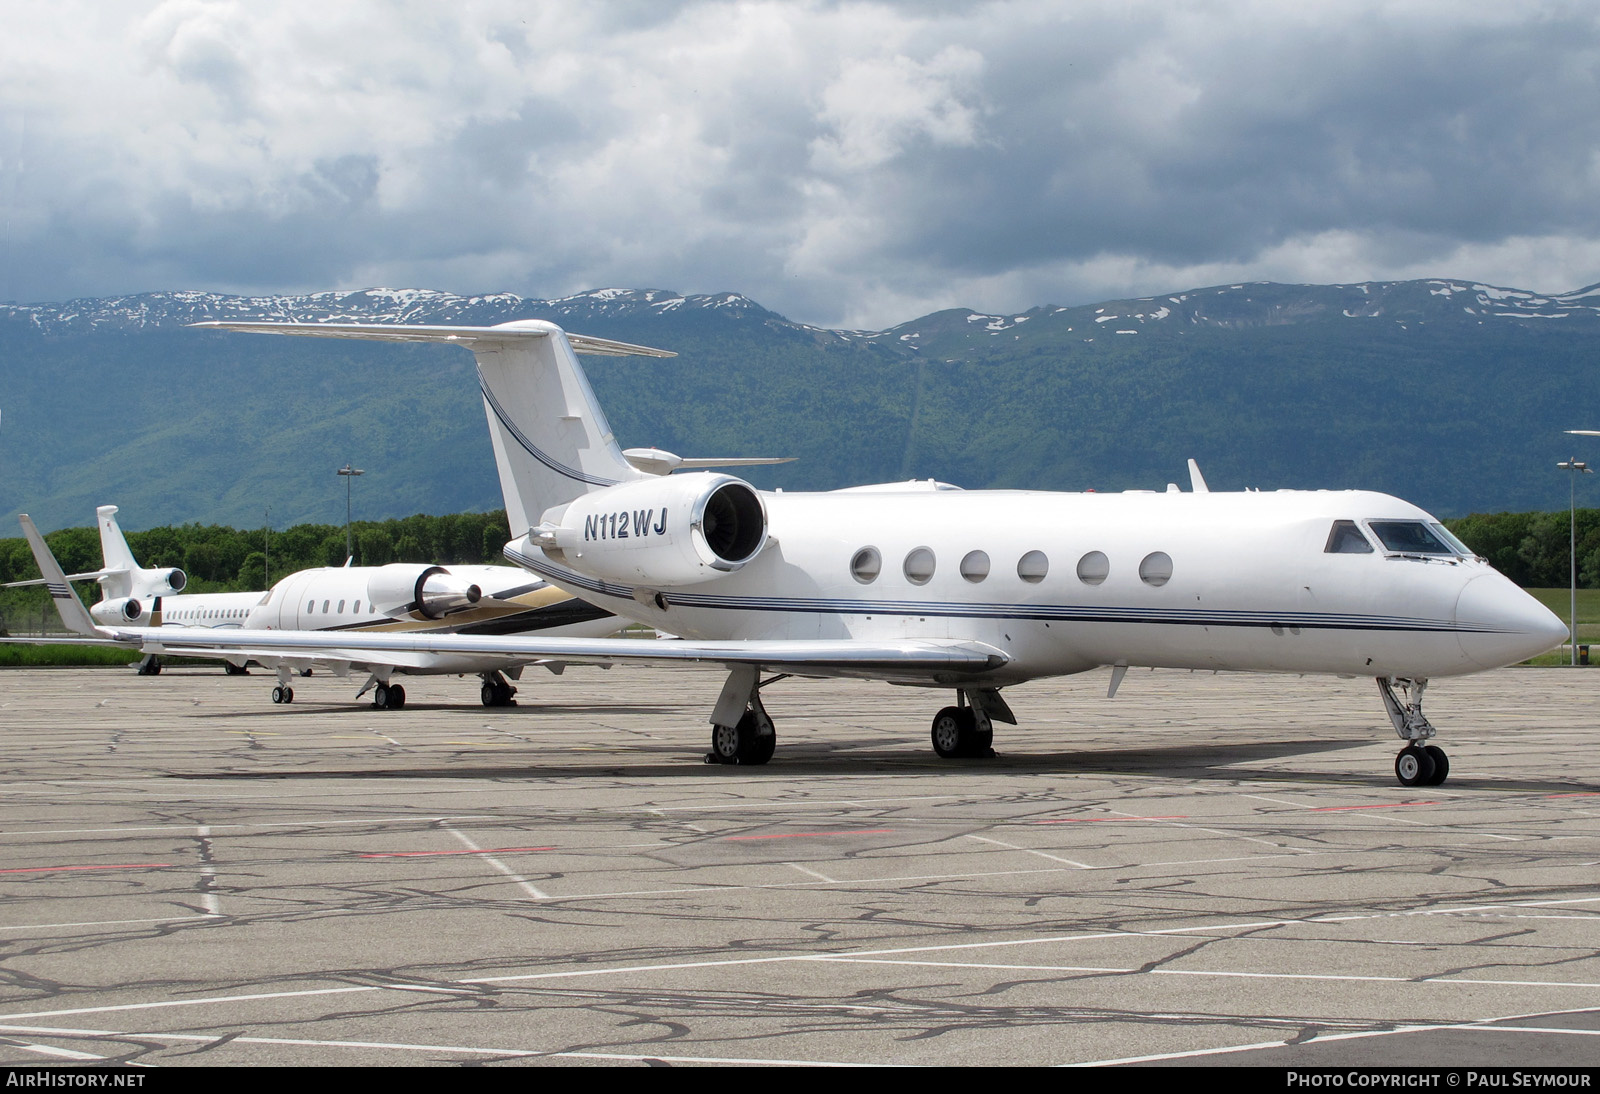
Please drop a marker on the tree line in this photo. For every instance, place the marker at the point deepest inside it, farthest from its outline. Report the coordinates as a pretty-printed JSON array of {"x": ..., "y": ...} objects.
[{"x": 1529, "y": 548}]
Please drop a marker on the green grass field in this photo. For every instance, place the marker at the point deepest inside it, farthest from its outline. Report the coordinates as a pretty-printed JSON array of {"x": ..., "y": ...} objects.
[{"x": 1560, "y": 602}]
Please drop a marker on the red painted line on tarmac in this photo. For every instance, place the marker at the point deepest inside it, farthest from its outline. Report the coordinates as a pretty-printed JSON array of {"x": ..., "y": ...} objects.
[
  {"x": 1102, "y": 820},
  {"x": 1586, "y": 794},
  {"x": 800, "y": 835},
  {"x": 1386, "y": 805},
  {"x": 118, "y": 866},
  {"x": 430, "y": 854}
]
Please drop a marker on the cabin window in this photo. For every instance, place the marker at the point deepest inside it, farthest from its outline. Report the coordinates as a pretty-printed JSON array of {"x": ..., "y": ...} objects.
[
  {"x": 324, "y": 607},
  {"x": 341, "y": 607},
  {"x": 866, "y": 565},
  {"x": 1032, "y": 567},
  {"x": 919, "y": 565},
  {"x": 1156, "y": 568},
  {"x": 1408, "y": 537},
  {"x": 1346, "y": 539},
  {"x": 975, "y": 566},
  {"x": 355, "y": 609},
  {"x": 1093, "y": 568},
  {"x": 311, "y": 606}
]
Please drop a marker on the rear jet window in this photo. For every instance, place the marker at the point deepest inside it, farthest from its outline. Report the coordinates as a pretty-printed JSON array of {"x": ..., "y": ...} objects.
[
  {"x": 1409, "y": 537},
  {"x": 1346, "y": 539}
]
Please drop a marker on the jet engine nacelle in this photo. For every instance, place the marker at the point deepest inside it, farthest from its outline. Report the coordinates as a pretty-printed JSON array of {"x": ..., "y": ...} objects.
[
  {"x": 677, "y": 530},
  {"x": 400, "y": 589},
  {"x": 124, "y": 609},
  {"x": 161, "y": 582}
]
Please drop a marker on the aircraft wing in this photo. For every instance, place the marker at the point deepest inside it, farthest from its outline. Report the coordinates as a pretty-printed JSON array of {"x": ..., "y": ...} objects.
[{"x": 911, "y": 659}]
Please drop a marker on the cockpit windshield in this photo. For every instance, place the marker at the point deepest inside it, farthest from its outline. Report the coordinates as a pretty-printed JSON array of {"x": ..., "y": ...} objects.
[
  {"x": 1346, "y": 539},
  {"x": 1412, "y": 537}
]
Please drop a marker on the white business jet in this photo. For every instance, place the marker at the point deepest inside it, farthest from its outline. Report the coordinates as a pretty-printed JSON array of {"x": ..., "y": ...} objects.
[
  {"x": 973, "y": 591},
  {"x": 352, "y": 600}
]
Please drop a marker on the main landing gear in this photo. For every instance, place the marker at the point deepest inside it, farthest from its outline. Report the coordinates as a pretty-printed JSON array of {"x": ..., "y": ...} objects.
[
  {"x": 1419, "y": 763},
  {"x": 150, "y": 666},
  {"x": 742, "y": 732},
  {"x": 966, "y": 730},
  {"x": 496, "y": 691},
  {"x": 388, "y": 696}
]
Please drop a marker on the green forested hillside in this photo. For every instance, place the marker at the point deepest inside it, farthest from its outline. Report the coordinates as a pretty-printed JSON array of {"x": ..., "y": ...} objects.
[{"x": 1450, "y": 395}]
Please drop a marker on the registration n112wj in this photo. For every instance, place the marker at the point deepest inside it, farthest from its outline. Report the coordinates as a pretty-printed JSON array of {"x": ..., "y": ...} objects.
[{"x": 969, "y": 591}]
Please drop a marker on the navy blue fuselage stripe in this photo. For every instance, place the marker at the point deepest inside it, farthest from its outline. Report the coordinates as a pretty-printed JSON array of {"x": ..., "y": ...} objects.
[
  {"x": 1030, "y": 612},
  {"x": 533, "y": 450}
]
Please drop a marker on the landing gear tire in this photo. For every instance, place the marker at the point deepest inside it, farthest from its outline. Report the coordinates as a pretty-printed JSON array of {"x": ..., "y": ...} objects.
[
  {"x": 496, "y": 693},
  {"x": 234, "y": 670},
  {"x": 388, "y": 696},
  {"x": 955, "y": 734},
  {"x": 1415, "y": 766},
  {"x": 1441, "y": 764},
  {"x": 150, "y": 667},
  {"x": 743, "y": 743},
  {"x": 282, "y": 693}
]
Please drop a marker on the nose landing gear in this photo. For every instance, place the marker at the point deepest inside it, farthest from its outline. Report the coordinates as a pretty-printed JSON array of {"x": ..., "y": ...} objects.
[{"x": 1418, "y": 764}]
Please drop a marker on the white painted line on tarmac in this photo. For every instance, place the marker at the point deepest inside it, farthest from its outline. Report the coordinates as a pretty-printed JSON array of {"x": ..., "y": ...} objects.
[
  {"x": 468, "y": 1050},
  {"x": 813, "y": 873},
  {"x": 522, "y": 882},
  {"x": 1031, "y": 851},
  {"x": 1482, "y": 1025}
]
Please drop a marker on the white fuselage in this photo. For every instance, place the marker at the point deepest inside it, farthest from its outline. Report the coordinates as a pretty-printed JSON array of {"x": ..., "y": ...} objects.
[{"x": 1250, "y": 584}]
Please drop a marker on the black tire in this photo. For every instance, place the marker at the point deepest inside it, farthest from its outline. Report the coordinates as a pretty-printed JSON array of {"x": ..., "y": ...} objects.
[
  {"x": 397, "y": 696},
  {"x": 277, "y": 694},
  {"x": 288, "y": 695},
  {"x": 380, "y": 696},
  {"x": 955, "y": 732},
  {"x": 490, "y": 694},
  {"x": 234, "y": 670},
  {"x": 1413, "y": 767},
  {"x": 743, "y": 743},
  {"x": 1441, "y": 765},
  {"x": 724, "y": 745}
]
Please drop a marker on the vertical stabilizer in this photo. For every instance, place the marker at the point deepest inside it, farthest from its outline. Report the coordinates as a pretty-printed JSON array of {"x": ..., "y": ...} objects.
[
  {"x": 117, "y": 558},
  {"x": 551, "y": 440}
]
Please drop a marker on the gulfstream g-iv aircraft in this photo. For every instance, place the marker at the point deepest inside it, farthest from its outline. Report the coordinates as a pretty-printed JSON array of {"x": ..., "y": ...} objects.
[
  {"x": 352, "y": 600},
  {"x": 971, "y": 591}
]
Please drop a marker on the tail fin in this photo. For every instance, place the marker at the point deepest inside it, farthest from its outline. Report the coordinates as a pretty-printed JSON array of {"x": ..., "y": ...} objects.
[
  {"x": 552, "y": 442},
  {"x": 117, "y": 558},
  {"x": 72, "y": 611}
]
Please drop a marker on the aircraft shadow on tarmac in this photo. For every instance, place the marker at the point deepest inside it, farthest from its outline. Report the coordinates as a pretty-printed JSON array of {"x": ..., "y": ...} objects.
[{"x": 636, "y": 759}]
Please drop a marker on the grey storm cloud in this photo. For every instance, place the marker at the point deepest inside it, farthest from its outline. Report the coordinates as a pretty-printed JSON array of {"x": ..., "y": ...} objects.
[{"x": 844, "y": 163}]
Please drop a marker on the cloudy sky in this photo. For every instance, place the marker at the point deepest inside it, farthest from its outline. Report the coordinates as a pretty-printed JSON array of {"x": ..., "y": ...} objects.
[{"x": 847, "y": 164}]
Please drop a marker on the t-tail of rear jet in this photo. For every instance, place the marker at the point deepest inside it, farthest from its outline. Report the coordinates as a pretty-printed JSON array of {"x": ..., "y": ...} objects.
[
  {"x": 552, "y": 443},
  {"x": 125, "y": 587}
]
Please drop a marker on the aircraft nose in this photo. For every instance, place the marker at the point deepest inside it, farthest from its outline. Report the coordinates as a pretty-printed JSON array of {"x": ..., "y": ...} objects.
[{"x": 1501, "y": 625}]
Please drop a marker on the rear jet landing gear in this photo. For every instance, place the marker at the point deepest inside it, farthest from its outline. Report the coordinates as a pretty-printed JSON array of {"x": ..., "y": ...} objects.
[
  {"x": 282, "y": 693},
  {"x": 150, "y": 666},
  {"x": 388, "y": 696},
  {"x": 967, "y": 729},
  {"x": 1418, "y": 764},
  {"x": 496, "y": 692},
  {"x": 741, "y": 731}
]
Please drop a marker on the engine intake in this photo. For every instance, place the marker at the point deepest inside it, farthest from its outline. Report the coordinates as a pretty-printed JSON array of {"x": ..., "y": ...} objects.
[{"x": 677, "y": 530}]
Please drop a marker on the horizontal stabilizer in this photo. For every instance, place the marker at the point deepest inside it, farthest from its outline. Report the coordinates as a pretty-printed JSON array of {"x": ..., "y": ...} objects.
[
  {"x": 462, "y": 336},
  {"x": 656, "y": 461}
]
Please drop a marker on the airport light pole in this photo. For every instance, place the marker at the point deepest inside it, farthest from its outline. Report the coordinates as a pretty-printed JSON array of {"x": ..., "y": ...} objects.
[
  {"x": 349, "y": 473},
  {"x": 266, "y": 551},
  {"x": 1577, "y": 468}
]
